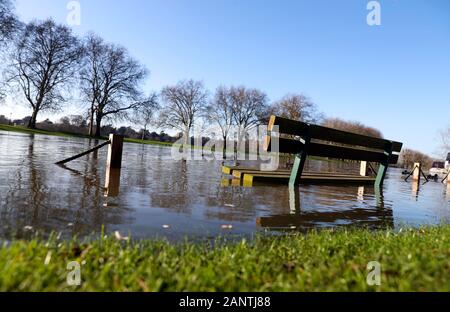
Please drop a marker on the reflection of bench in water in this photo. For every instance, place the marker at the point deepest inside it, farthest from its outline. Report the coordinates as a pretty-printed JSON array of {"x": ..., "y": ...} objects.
[
  {"x": 314, "y": 140},
  {"x": 308, "y": 219},
  {"x": 374, "y": 216}
]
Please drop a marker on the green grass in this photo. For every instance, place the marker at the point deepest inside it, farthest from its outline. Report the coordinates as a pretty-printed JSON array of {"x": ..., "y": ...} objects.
[
  {"x": 412, "y": 260},
  {"x": 138, "y": 141},
  {"x": 37, "y": 131},
  {"x": 65, "y": 134},
  {"x": 128, "y": 140}
]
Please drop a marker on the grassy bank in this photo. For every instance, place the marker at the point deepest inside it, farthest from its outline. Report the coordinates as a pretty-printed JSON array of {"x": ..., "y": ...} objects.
[
  {"x": 73, "y": 135},
  {"x": 21, "y": 129},
  {"x": 412, "y": 260}
]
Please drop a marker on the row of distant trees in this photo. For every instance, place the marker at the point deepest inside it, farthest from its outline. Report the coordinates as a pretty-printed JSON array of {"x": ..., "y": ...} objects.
[
  {"x": 78, "y": 124},
  {"x": 409, "y": 157},
  {"x": 47, "y": 65}
]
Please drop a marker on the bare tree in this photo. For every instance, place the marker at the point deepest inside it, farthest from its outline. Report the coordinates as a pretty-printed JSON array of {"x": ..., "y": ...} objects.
[
  {"x": 249, "y": 106},
  {"x": 111, "y": 81},
  {"x": 409, "y": 156},
  {"x": 9, "y": 26},
  {"x": 44, "y": 61},
  {"x": 249, "y": 109},
  {"x": 90, "y": 85},
  {"x": 183, "y": 103},
  {"x": 220, "y": 112},
  {"x": 78, "y": 121},
  {"x": 8, "y": 22},
  {"x": 296, "y": 107},
  {"x": 445, "y": 141},
  {"x": 145, "y": 114},
  {"x": 352, "y": 126}
]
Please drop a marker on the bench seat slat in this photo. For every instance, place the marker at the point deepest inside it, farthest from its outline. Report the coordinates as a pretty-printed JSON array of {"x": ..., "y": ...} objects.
[
  {"x": 287, "y": 146},
  {"x": 293, "y": 127},
  {"x": 342, "y": 152},
  {"x": 291, "y": 146}
]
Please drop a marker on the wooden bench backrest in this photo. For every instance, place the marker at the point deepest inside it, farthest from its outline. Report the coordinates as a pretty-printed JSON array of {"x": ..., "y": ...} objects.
[{"x": 334, "y": 143}]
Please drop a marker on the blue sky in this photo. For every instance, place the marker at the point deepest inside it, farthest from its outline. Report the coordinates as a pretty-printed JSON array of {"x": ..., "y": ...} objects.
[{"x": 395, "y": 77}]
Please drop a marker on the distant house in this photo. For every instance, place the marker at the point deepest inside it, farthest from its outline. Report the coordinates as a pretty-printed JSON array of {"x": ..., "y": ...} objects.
[
  {"x": 4, "y": 120},
  {"x": 22, "y": 122},
  {"x": 47, "y": 122}
]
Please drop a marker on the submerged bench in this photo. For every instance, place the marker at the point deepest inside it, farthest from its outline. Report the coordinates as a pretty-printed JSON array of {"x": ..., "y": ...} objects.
[
  {"x": 249, "y": 176},
  {"x": 303, "y": 140}
]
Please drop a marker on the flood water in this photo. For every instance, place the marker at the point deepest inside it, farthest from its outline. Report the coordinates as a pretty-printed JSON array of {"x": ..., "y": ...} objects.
[{"x": 160, "y": 197}]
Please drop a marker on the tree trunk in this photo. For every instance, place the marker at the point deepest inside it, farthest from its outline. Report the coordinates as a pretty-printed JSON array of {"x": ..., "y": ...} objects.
[
  {"x": 143, "y": 133},
  {"x": 186, "y": 138},
  {"x": 98, "y": 126},
  {"x": 32, "y": 121},
  {"x": 91, "y": 122},
  {"x": 186, "y": 144},
  {"x": 240, "y": 137},
  {"x": 224, "y": 147}
]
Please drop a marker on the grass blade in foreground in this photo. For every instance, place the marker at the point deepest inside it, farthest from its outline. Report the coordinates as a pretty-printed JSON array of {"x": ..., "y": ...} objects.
[{"x": 412, "y": 260}]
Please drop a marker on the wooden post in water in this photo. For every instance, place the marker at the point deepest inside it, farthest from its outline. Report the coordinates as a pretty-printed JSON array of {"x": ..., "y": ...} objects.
[
  {"x": 415, "y": 189},
  {"x": 360, "y": 195},
  {"x": 448, "y": 191},
  {"x": 112, "y": 182},
  {"x": 416, "y": 180},
  {"x": 113, "y": 165},
  {"x": 114, "y": 160},
  {"x": 416, "y": 172}
]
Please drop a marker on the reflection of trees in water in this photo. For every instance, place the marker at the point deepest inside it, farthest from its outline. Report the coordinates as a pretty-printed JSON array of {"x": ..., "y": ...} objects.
[
  {"x": 173, "y": 191},
  {"x": 235, "y": 203},
  {"x": 88, "y": 206},
  {"x": 230, "y": 204},
  {"x": 22, "y": 203},
  {"x": 180, "y": 187},
  {"x": 49, "y": 198}
]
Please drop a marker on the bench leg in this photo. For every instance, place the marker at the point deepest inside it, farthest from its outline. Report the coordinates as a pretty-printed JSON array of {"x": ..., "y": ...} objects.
[
  {"x": 379, "y": 197},
  {"x": 383, "y": 168},
  {"x": 381, "y": 175},
  {"x": 294, "y": 199},
  {"x": 297, "y": 169}
]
